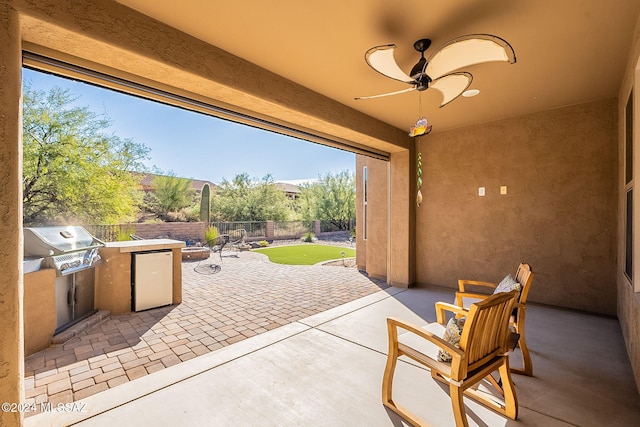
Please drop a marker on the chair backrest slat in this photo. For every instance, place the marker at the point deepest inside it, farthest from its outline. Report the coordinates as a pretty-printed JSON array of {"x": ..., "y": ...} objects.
[
  {"x": 524, "y": 276},
  {"x": 486, "y": 330}
]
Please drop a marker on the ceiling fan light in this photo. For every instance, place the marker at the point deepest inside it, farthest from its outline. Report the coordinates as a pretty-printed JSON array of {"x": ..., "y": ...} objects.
[
  {"x": 470, "y": 93},
  {"x": 469, "y": 50}
]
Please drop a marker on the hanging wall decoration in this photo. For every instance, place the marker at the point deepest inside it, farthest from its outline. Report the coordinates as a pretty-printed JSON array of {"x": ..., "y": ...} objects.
[{"x": 420, "y": 129}]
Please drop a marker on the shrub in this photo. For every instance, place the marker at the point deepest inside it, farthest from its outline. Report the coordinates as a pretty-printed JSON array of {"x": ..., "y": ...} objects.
[
  {"x": 309, "y": 237},
  {"x": 210, "y": 233},
  {"x": 124, "y": 233},
  {"x": 263, "y": 243},
  {"x": 153, "y": 221},
  {"x": 191, "y": 213}
]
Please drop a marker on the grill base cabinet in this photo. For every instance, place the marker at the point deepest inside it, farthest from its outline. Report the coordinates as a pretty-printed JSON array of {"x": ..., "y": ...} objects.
[
  {"x": 115, "y": 274},
  {"x": 74, "y": 298},
  {"x": 72, "y": 252},
  {"x": 152, "y": 285}
]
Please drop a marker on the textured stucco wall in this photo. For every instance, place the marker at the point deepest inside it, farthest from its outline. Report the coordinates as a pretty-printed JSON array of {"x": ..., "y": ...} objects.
[
  {"x": 401, "y": 271},
  {"x": 372, "y": 253},
  {"x": 629, "y": 316},
  {"x": 559, "y": 213},
  {"x": 11, "y": 281},
  {"x": 113, "y": 281},
  {"x": 39, "y": 309},
  {"x": 628, "y": 299}
]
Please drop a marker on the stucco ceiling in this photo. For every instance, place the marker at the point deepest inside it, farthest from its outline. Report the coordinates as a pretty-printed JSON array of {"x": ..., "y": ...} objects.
[{"x": 568, "y": 52}]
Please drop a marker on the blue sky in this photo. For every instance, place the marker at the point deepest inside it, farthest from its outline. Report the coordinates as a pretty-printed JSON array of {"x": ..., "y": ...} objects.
[{"x": 196, "y": 146}]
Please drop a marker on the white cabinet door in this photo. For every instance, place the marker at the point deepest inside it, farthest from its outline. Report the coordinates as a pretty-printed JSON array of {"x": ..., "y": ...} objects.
[{"x": 153, "y": 280}]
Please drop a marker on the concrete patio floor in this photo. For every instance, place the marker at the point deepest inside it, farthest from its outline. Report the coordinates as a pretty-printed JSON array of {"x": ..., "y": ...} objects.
[{"x": 326, "y": 369}]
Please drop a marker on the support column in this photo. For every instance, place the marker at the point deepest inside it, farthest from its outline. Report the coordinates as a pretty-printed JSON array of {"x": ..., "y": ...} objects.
[
  {"x": 402, "y": 212},
  {"x": 11, "y": 280},
  {"x": 270, "y": 230}
]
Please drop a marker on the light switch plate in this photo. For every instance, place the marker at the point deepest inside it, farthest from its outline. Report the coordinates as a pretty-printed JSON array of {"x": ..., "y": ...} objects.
[
  {"x": 481, "y": 191},
  {"x": 503, "y": 189}
]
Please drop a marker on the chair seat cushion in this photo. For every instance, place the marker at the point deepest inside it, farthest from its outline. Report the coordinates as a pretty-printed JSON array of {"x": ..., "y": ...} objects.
[{"x": 452, "y": 334}]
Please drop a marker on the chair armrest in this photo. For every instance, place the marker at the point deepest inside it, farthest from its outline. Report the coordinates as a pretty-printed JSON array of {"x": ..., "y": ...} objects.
[
  {"x": 394, "y": 323},
  {"x": 462, "y": 283},
  {"x": 441, "y": 307},
  {"x": 461, "y": 295}
]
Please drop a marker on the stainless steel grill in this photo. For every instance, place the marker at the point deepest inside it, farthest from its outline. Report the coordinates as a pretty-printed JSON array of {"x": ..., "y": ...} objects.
[
  {"x": 67, "y": 249},
  {"x": 73, "y": 253}
]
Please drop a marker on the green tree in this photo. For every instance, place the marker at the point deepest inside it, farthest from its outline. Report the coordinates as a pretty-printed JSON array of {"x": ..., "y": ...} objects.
[
  {"x": 332, "y": 198},
  {"x": 244, "y": 200},
  {"x": 74, "y": 171},
  {"x": 173, "y": 193}
]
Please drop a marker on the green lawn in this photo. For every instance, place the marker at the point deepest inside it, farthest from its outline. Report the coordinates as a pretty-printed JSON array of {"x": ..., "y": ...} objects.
[{"x": 305, "y": 254}]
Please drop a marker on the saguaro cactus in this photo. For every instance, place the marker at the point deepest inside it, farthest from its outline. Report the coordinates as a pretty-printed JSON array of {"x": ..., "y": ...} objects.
[{"x": 205, "y": 204}]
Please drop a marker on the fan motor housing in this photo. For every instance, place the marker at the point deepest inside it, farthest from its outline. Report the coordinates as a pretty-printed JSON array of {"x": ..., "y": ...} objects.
[
  {"x": 423, "y": 82},
  {"x": 422, "y": 45},
  {"x": 417, "y": 72}
]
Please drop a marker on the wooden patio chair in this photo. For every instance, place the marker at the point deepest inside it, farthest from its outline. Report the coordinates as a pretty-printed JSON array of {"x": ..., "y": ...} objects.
[
  {"x": 483, "y": 349},
  {"x": 524, "y": 276}
]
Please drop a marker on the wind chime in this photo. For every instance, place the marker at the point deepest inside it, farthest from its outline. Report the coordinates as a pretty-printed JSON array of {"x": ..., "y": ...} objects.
[{"x": 421, "y": 128}]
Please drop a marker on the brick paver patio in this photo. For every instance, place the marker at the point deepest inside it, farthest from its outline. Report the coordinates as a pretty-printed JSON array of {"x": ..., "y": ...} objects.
[{"x": 248, "y": 296}]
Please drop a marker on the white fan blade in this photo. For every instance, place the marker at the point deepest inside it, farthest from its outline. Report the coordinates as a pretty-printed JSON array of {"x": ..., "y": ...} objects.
[
  {"x": 385, "y": 94},
  {"x": 451, "y": 86},
  {"x": 381, "y": 59},
  {"x": 469, "y": 50}
]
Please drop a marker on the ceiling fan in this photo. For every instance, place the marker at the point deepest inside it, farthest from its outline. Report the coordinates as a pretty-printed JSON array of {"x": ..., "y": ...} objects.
[{"x": 437, "y": 72}]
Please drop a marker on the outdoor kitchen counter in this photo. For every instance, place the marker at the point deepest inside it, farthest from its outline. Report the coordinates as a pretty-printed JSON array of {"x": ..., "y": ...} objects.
[
  {"x": 39, "y": 309},
  {"x": 113, "y": 273}
]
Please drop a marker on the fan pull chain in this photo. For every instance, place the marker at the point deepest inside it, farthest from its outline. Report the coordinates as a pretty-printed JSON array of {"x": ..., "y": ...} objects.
[
  {"x": 419, "y": 159},
  {"x": 419, "y": 175}
]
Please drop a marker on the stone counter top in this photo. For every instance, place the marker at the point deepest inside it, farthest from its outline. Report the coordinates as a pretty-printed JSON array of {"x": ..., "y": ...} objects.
[{"x": 145, "y": 245}]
